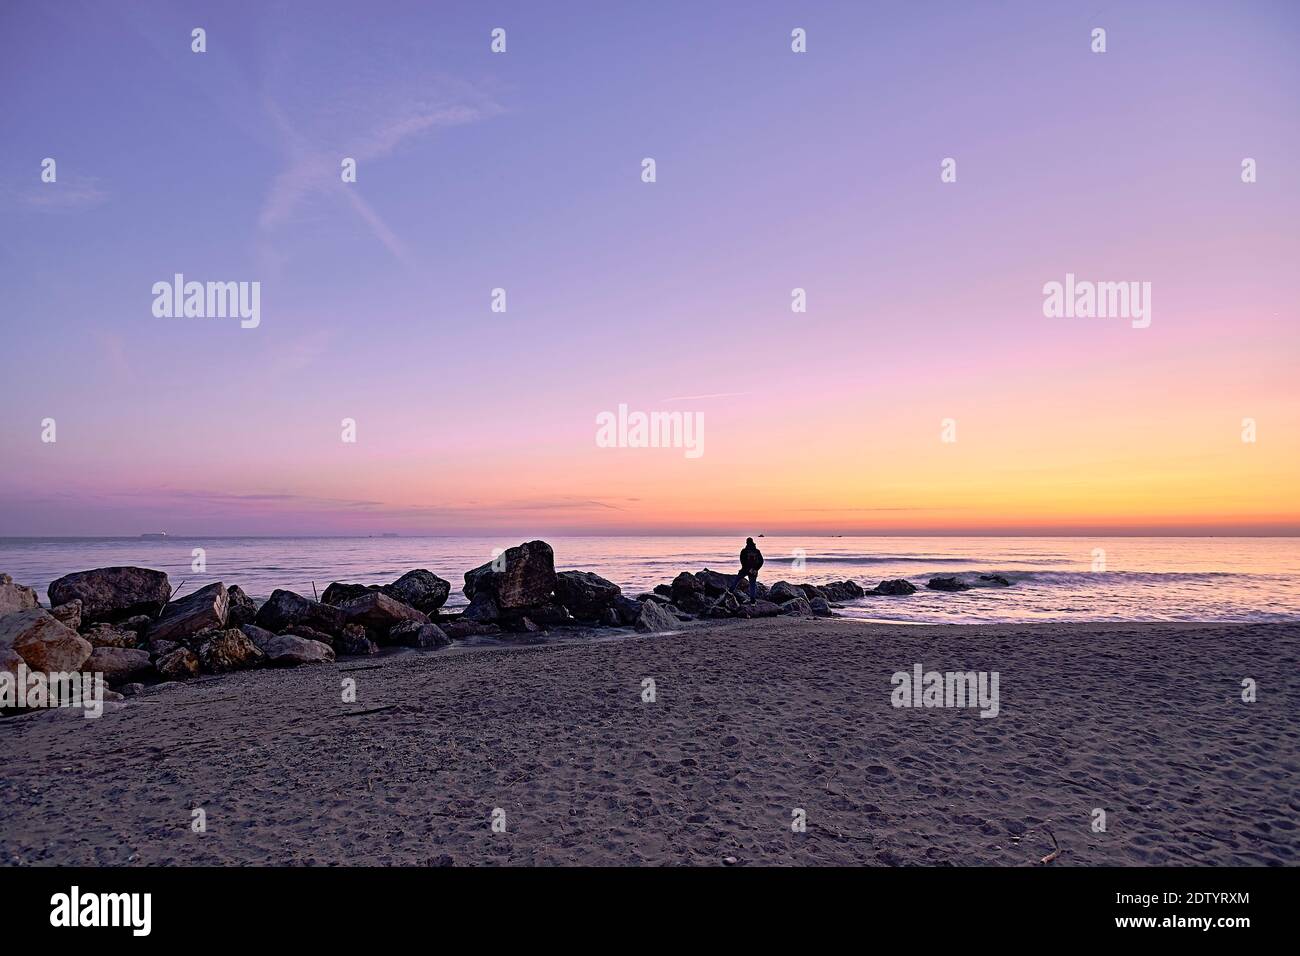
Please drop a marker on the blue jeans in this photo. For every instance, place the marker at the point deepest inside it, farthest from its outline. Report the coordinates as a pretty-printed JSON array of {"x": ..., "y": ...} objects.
[{"x": 753, "y": 585}]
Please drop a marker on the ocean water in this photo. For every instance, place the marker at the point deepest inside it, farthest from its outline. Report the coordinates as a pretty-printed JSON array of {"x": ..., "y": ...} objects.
[{"x": 1054, "y": 579}]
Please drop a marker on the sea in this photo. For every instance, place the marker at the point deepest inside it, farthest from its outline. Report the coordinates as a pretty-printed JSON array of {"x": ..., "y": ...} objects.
[{"x": 1052, "y": 579}]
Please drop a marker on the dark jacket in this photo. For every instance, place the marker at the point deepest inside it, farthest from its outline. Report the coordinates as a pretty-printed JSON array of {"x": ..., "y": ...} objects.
[{"x": 751, "y": 559}]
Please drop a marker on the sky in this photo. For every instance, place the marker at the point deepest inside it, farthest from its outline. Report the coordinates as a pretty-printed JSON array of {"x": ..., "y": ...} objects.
[{"x": 774, "y": 170}]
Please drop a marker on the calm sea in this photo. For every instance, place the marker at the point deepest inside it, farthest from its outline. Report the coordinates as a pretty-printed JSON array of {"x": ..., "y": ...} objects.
[{"x": 1055, "y": 579}]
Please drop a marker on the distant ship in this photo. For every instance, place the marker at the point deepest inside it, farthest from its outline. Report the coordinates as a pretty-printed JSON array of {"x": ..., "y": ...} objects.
[{"x": 154, "y": 535}]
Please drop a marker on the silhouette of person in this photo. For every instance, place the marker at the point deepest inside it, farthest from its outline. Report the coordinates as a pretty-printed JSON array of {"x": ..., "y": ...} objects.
[{"x": 751, "y": 559}]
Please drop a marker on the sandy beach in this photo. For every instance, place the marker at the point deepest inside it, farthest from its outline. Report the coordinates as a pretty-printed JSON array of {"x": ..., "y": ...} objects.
[{"x": 751, "y": 720}]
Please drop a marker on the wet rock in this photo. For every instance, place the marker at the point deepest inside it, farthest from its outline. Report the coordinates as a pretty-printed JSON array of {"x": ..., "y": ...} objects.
[
  {"x": 820, "y": 607},
  {"x": 528, "y": 578},
  {"x": 204, "y": 609},
  {"x": 947, "y": 582},
  {"x": 841, "y": 591},
  {"x": 16, "y": 597},
  {"x": 229, "y": 650},
  {"x": 119, "y": 665},
  {"x": 240, "y": 609},
  {"x": 68, "y": 614},
  {"x": 997, "y": 580},
  {"x": 783, "y": 591},
  {"x": 420, "y": 589},
  {"x": 585, "y": 594},
  {"x": 288, "y": 650},
  {"x": 260, "y": 636},
  {"x": 610, "y": 618},
  {"x": 283, "y": 609},
  {"x": 799, "y": 606},
  {"x": 482, "y": 609},
  {"x": 895, "y": 587},
  {"x": 355, "y": 641},
  {"x": 378, "y": 612},
  {"x": 415, "y": 634},
  {"x": 44, "y": 643},
  {"x": 113, "y": 594},
  {"x": 106, "y": 635}
]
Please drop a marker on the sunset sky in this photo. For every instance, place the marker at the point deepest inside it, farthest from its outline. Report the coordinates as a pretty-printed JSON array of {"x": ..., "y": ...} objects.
[{"x": 775, "y": 170}]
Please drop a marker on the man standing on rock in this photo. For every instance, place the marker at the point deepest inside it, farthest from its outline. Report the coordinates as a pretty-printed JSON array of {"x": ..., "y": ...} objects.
[{"x": 751, "y": 559}]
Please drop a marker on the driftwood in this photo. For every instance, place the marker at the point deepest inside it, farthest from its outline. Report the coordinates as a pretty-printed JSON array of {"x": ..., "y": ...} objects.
[
  {"x": 1055, "y": 853},
  {"x": 372, "y": 710}
]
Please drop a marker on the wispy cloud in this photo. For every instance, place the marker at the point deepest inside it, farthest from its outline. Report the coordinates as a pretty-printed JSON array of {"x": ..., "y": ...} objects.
[{"x": 67, "y": 194}]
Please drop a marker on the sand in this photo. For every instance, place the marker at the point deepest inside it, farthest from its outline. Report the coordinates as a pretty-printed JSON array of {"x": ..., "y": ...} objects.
[{"x": 752, "y": 720}]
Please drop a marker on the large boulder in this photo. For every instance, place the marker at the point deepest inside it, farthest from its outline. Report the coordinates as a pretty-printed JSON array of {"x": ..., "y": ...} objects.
[
  {"x": 204, "y": 609},
  {"x": 947, "y": 582},
  {"x": 290, "y": 651},
  {"x": 106, "y": 635},
  {"x": 758, "y": 608},
  {"x": 283, "y": 609},
  {"x": 482, "y": 609},
  {"x": 420, "y": 589},
  {"x": 725, "y": 606},
  {"x": 841, "y": 591},
  {"x": 377, "y": 611},
  {"x": 585, "y": 594},
  {"x": 527, "y": 579},
  {"x": 715, "y": 582},
  {"x": 820, "y": 607},
  {"x": 655, "y": 618},
  {"x": 15, "y": 597},
  {"x": 69, "y": 614},
  {"x": 894, "y": 587},
  {"x": 784, "y": 591},
  {"x": 355, "y": 641},
  {"x": 797, "y": 605},
  {"x": 415, "y": 634},
  {"x": 258, "y": 635},
  {"x": 179, "y": 664},
  {"x": 113, "y": 594},
  {"x": 228, "y": 650},
  {"x": 10, "y": 660},
  {"x": 687, "y": 592},
  {"x": 460, "y": 629},
  {"x": 240, "y": 609},
  {"x": 119, "y": 665},
  {"x": 47, "y": 645},
  {"x": 338, "y": 592},
  {"x": 545, "y": 615}
]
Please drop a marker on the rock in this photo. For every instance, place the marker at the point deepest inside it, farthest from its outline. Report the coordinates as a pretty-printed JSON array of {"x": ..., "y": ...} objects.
[
  {"x": 113, "y": 594},
  {"x": 585, "y": 594},
  {"x": 784, "y": 591},
  {"x": 726, "y": 606},
  {"x": 10, "y": 660},
  {"x": 309, "y": 633},
  {"x": 131, "y": 690},
  {"x": 180, "y": 664},
  {"x": 896, "y": 586},
  {"x": 415, "y": 634},
  {"x": 627, "y": 609},
  {"x": 290, "y": 651},
  {"x": 17, "y": 597},
  {"x": 460, "y": 629},
  {"x": 377, "y": 611},
  {"x": 947, "y": 582},
  {"x": 240, "y": 609},
  {"x": 420, "y": 589},
  {"x": 204, "y": 609},
  {"x": 655, "y": 618},
  {"x": 283, "y": 609},
  {"x": 715, "y": 582},
  {"x": 119, "y": 665},
  {"x": 820, "y": 607},
  {"x": 68, "y": 614},
  {"x": 260, "y": 636},
  {"x": 652, "y": 596},
  {"x": 610, "y": 617},
  {"x": 687, "y": 592},
  {"x": 528, "y": 578},
  {"x": 759, "y": 608},
  {"x": 106, "y": 635},
  {"x": 522, "y": 631},
  {"x": 338, "y": 593},
  {"x": 811, "y": 591},
  {"x": 797, "y": 605},
  {"x": 162, "y": 648},
  {"x": 229, "y": 650},
  {"x": 841, "y": 591},
  {"x": 996, "y": 579},
  {"x": 482, "y": 609},
  {"x": 665, "y": 589},
  {"x": 44, "y": 643},
  {"x": 355, "y": 641},
  {"x": 138, "y": 623},
  {"x": 544, "y": 615}
]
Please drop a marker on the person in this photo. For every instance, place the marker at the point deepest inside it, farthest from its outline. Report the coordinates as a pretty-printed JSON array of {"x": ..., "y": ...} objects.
[{"x": 751, "y": 559}]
